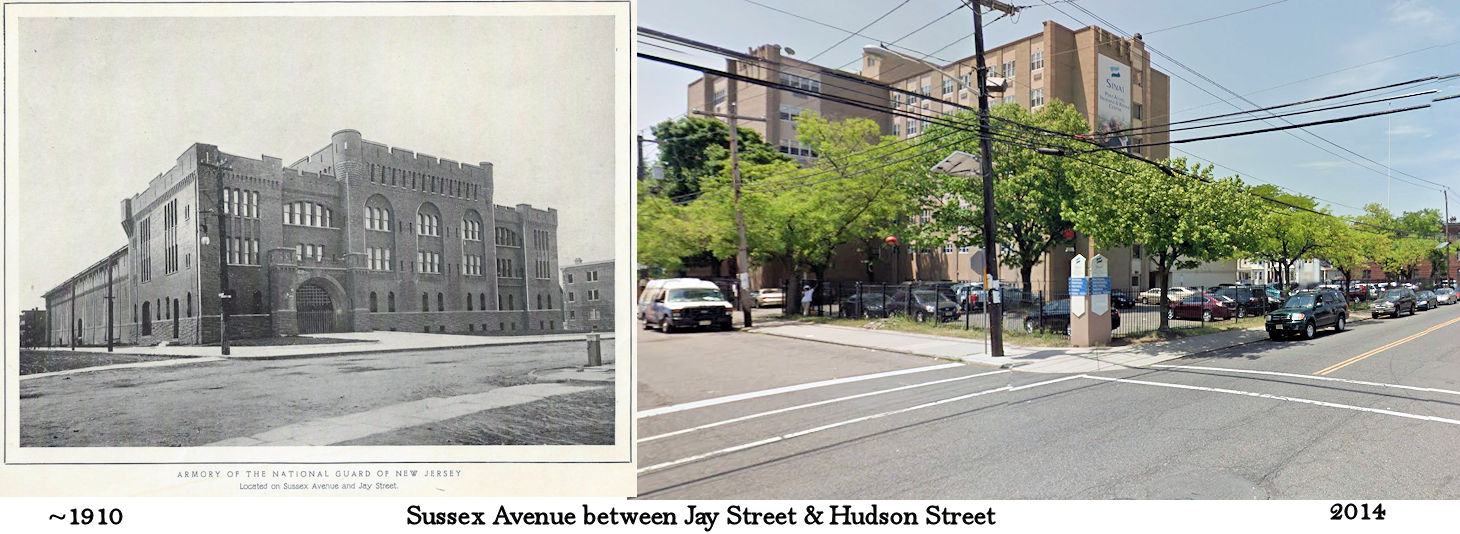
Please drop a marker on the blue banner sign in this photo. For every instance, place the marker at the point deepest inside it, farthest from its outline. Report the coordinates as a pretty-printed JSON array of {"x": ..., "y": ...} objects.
[
  {"x": 1100, "y": 285},
  {"x": 1079, "y": 286}
]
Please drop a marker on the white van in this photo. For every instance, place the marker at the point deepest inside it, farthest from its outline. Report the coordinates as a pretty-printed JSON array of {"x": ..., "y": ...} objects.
[{"x": 683, "y": 303}]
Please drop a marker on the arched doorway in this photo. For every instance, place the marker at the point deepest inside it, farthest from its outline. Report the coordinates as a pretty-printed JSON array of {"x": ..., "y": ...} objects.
[{"x": 315, "y": 309}]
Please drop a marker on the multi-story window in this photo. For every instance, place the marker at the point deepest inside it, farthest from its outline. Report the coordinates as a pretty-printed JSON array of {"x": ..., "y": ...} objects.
[
  {"x": 430, "y": 262},
  {"x": 1009, "y": 69},
  {"x": 542, "y": 269},
  {"x": 967, "y": 80},
  {"x": 926, "y": 90},
  {"x": 379, "y": 259},
  {"x": 717, "y": 98},
  {"x": 169, "y": 236},
  {"x": 1008, "y": 98},
  {"x": 895, "y": 129},
  {"x": 1036, "y": 98},
  {"x": 591, "y": 276},
  {"x": 506, "y": 269},
  {"x": 592, "y": 294},
  {"x": 1137, "y": 111},
  {"x": 308, "y": 214},
  {"x": 1036, "y": 60},
  {"x": 377, "y": 219},
  {"x": 795, "y": 147},
  {"x": 471, "y": 230},
  {"x": 948, "y": 84},
  {"x": 788, "y": 113},
  {"x": 243, "y": 251},
  {"x": 471, "y": 266},
  {"x": 799, "y": 82},
  {"x": 571, "y": 297},
  {"x": 428, "y": 224},
  {"x": 948, "y": 249},
  {"x": 144, "y": 248}
]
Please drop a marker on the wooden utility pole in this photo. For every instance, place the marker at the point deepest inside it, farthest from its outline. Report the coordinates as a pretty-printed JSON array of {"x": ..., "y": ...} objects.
[
  {"x": 742, "y": 256},
  {"x": 986, "y": 167}
]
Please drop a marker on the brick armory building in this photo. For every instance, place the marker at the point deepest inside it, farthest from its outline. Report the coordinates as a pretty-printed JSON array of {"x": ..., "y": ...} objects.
[{"x": 357, "y": 236}]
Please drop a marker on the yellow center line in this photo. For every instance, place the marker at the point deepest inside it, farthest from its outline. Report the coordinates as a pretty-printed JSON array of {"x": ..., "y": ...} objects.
[{"x": 1356, "y": 359}]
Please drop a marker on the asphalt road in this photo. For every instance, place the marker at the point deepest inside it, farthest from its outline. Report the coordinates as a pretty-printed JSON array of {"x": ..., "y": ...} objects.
[
  {"x": 197, "y": 404},
  {"x": 1382, "y": 420}
]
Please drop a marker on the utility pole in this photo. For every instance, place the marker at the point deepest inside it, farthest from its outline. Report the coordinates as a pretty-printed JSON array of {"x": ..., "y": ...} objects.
[
  {"x": 109, "y": 299},
  {"x": 220, "y": 206},
  {"x": 986, "y": 168},
  {"x": 742, "y": 256},
  {"x": 641, "y": 158}
]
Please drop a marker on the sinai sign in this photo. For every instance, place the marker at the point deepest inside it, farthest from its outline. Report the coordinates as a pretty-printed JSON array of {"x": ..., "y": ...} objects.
[{"x": 1112, "y": 110}]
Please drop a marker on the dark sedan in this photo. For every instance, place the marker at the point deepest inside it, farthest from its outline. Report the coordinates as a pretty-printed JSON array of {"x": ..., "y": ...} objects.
[
  {"x": 922, "y": 304},
  {"x": 1055, "y": 317},
  {"x": 1121, "y": 300},
  {"x": 865, "y": 305}
]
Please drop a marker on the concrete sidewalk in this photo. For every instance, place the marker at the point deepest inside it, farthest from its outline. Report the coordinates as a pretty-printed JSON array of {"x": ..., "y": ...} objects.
[
  {"x": 1027, "y": 359},
  {"x": 363, "y": 342}
]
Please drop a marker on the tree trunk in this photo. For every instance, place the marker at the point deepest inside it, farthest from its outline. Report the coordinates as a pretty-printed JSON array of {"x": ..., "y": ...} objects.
[
  {"x": 1165, "y": 273},
  {"x": 1025, "y": 271}
]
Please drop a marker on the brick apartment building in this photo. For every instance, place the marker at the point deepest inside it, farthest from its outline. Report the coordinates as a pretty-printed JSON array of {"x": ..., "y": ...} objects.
[
  {"x": 357, "y": 236},
  {"x": 1106, "y": 77},
  {"x": 589, "y": 295}
]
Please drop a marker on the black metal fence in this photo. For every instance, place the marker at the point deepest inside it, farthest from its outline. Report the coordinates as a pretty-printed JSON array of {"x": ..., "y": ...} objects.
[{"x": 963, "y": 306}]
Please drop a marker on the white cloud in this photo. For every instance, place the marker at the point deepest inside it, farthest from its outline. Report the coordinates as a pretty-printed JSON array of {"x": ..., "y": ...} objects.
[{"x": 1420, "y": 14}]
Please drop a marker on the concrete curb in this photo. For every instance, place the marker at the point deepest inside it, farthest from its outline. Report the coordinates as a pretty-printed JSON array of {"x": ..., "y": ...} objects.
[
  {"x": 894, "y": 351},
  {"x": 398, "y": 349}
]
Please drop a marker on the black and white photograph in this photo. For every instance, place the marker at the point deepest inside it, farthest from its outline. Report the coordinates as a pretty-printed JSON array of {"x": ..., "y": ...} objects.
[{"x": 339, "y": 232}]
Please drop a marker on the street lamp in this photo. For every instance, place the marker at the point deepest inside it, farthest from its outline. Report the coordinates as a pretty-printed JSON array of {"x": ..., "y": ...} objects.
[{"x": 896, "y": 265}]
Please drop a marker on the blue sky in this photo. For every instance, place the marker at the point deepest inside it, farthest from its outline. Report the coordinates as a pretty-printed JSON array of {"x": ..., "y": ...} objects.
[{"x": 1258, "y": 54}]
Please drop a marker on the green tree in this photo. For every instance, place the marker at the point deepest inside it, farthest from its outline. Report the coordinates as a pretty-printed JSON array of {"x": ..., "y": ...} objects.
[
  {"x": 848, "y": 195},
  {"x": 1181, "y": 221},
  {"x": 691, "y": 148},
  {"x": 1286, "y": 235},
  {"x": 1031, "y": 190},
  {"x": 1412, "y": 238},
  {"x": 1348, "y": 247}
]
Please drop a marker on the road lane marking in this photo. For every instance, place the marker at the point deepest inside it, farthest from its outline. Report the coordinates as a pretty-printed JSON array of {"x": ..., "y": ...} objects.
[
  {"x": 1311, "y": 377},
  {"x": 864, "y": 418},
  {"x": 1356, "y": 359},
  {"x": 777, "y": 391},
  {"x": 1279, "y": 397},
  {"x": 813, "y": 405}
]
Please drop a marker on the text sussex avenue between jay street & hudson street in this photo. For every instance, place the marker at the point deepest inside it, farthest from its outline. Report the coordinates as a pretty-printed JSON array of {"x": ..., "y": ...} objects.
[{"x": 836, "y": 514}]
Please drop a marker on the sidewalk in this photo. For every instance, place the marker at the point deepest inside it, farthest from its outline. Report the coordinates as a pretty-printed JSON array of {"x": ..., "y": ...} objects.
[
  {"x": 1026, "y": 359},
  {"x": 377, "y": 341},
  {"x": 344, "y": 428}
]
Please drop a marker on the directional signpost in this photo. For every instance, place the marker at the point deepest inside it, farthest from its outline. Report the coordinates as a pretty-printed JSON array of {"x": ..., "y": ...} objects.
[{"x": 1089, "y": 292}]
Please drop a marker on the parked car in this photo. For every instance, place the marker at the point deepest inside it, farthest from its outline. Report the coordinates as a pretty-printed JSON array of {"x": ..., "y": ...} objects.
[
  {"x": 1054, "y": 316},
  {"x": 1445, "y": 296},
  {"x": 770, "y": 296},
  {"x": 1120, "y": 300},
  {"x": 865, "y": 305},
  {"x": 1250, "y": 300},
  {"x": 1358, "y": 292},
  {"x": 969, "y": 296},
  {"x": 1425, "y": 300},
  {"x": 1203, "y": 307},
  {"x": 1153, "y": 295},
  {"x": 1395, "y": 301},
  {"x": 684, "y": 303},
  {"x": 1307, "y": 311},
  {"x": 922, "y": 304}
]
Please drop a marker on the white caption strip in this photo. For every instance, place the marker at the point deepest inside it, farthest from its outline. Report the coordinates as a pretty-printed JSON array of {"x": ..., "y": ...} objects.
[
  {"x": 815, "y": 404},
  {"x": 777, "y": 391},
  {"x": 784, "y": 437}
]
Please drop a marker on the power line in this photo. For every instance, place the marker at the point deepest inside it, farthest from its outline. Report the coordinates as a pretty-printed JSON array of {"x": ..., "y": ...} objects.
[
  {"x": 817, "y": 22},
  {"x": 1245, "y": 99},
  {"x": 1153, "y": 32},
  {"x": 863, "y": 28}
]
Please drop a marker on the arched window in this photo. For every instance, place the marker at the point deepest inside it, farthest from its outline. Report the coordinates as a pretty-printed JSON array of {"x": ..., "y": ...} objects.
[
  {"x": 539, "y": 302},
  {"x": 258, "y": 302},
  {"x": 550, "y": 301},
  {"x": 390, "y": 301},
  {"x": 468, "y": 302},
  {"x": 146, "y": 318},
  {"x": 374, "y": 303},
  {"x": 440, "y": 302},
  {"x": 190, "y": 304},
  {"x": 425, "y": 302},
  {"x": 482, "y": 303},
  {"x": 510, "y": 304}
]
